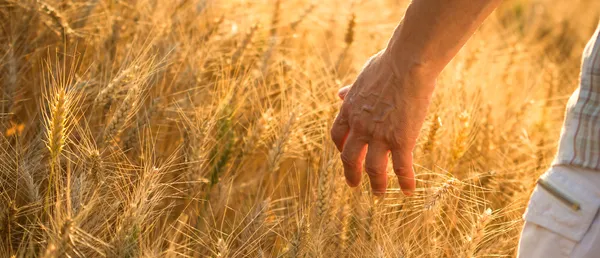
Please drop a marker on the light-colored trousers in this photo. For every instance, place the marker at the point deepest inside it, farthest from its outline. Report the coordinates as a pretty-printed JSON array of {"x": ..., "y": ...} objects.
[{"x": 562, "y": 217}]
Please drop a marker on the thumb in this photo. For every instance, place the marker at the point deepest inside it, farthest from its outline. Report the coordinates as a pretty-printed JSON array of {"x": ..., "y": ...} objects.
[{"x": 342, "y": 92}]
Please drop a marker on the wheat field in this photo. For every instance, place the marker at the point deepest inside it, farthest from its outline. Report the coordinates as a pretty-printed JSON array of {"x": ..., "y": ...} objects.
[{"x": 200, "y": 128}]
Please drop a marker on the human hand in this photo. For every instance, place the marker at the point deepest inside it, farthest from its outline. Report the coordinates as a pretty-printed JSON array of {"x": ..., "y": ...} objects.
[{"x": 382, "y": 111}]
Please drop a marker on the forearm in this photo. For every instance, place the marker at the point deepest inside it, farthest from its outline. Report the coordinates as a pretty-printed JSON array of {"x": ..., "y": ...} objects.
[{"x": 433, "y": 31}]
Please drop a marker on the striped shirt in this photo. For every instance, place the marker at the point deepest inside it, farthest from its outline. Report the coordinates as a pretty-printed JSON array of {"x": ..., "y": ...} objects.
[{"x": 580, "y": 136}]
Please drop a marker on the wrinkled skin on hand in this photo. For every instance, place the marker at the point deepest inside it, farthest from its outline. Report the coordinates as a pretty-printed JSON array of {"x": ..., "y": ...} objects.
[{"x": 382, "y": 112}]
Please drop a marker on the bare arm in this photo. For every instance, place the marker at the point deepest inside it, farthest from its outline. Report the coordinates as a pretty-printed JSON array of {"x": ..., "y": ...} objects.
[
  {"x": 433, "y": 31},
  {"x": 385, "y": 107}
]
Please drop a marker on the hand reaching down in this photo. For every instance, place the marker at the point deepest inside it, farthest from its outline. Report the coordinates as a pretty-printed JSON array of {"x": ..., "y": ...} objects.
[{"x": 382, "y": 112}]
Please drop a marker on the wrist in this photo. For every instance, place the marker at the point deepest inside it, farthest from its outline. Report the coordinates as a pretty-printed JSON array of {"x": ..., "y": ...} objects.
[{"x": 414, "y": 75}]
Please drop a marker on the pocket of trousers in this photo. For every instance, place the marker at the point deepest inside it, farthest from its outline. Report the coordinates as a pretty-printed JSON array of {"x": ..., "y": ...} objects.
[{"x": 563, "y": 206}]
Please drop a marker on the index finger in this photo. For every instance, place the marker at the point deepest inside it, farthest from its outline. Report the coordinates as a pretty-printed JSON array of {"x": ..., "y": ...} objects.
[{"x": 340, "y": 130}]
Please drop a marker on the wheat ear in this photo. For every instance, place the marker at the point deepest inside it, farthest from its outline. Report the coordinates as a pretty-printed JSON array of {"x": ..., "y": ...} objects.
[
  {"x": 56, "y": 127},
  {"x": 58, "y": 18},
  {"x": 121, "y": 115},
  {"x": 242, "y": 47},
  {"x": 300, "y": 244},
  {"x": 324, "y": 192},
  {"x": 222, "y": 248},
  {"x": 477, "y": 233},
  {"x": 348, "y": 39}
]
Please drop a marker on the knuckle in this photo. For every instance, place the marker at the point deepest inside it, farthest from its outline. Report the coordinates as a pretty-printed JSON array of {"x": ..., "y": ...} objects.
[
  {"x": 379, "y": 136},
  {"x": 360, "y": 126},
  {"x": 403, "y": 169},
  {"x": 400, "y": 142},
  {"x": 399, "y": 170},
  {"x": 348, "y": 162},
  {"x": 347, "y": 104},
  {"x": 375, "y": 170},
  {"x": 396, "y": 141}
]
